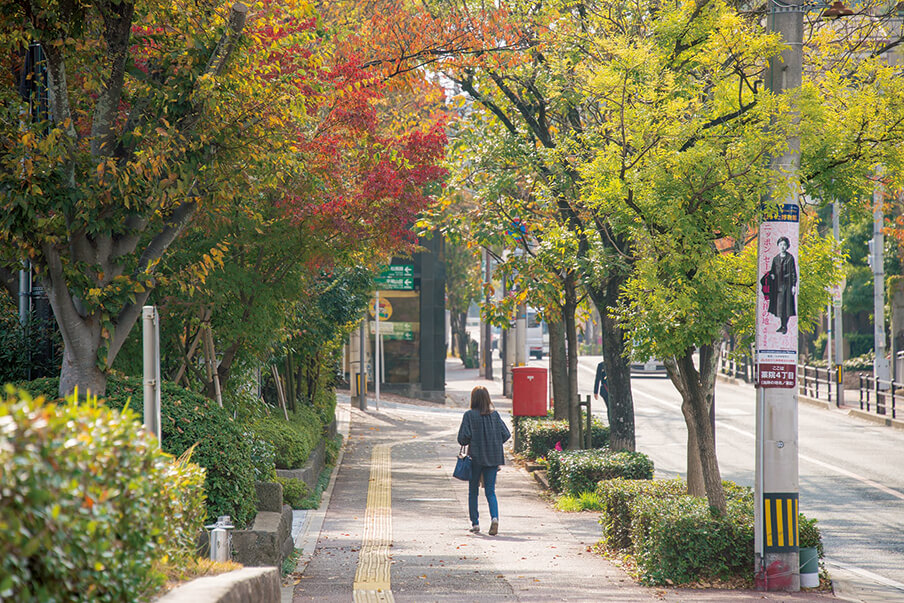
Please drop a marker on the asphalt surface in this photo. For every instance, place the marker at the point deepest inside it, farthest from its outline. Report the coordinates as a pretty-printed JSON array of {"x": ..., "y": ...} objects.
[{"x": 394, "y": 523}]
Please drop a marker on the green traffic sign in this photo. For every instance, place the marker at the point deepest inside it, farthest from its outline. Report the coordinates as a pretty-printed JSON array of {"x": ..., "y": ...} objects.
[{"x": 399, "y": 277}]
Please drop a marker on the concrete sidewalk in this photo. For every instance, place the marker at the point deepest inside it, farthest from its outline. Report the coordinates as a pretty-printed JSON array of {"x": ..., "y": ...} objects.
[{"x": 416, "y": 542}]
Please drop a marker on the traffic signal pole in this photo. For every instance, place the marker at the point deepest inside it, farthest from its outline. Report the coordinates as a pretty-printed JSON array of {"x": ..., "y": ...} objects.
[{"x": 777, "y": 476}]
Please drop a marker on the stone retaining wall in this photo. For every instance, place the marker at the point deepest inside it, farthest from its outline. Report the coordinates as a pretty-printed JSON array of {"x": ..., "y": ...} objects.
[{"x": 258, "y": 584}]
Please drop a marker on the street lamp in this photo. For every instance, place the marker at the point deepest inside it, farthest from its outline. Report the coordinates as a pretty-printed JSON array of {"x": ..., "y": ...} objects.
[{"x": 838, "y": 9}]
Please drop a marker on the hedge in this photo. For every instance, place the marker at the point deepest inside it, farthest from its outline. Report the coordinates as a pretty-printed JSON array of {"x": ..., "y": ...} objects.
[
  {"x": 187, "y": 419},
  {"x": 295, "y": 491},
  {"x": 536, "y": 437},
  {"x": 675, "y": 538},
  {"x": 294, "y": 439},
  {"x": 680, "y": 540},
  {"x": 89, "y": 503},
  {"x": 576, "y": 471},
  {"x": 619, "y": 496}
]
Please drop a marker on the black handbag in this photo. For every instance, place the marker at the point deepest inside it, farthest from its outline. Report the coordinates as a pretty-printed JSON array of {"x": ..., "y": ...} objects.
[{"x": 463, "y": 465}]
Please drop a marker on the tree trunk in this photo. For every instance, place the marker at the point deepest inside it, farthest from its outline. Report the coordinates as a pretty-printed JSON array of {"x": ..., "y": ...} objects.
[
  {"x": 574, "y": 410},
  {"x": 558, "y": 364},
  {"x": 82, "y": 336},
  {"x": 458, "y": 323},
  {"x": 618, "y": 368},
  {"x": 697, "y": 389}
]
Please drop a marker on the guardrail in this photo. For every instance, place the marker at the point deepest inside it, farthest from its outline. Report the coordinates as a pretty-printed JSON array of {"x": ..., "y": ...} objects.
[
  {"x": 884, "y": 395},
  {"x": 817, "y": 382}
]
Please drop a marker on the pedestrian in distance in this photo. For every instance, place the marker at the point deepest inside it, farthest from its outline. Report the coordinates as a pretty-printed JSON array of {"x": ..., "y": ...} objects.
[
  {"x": 780, "y": 285},
  {"x": 601, "y": 386},
  {"x": 484, "y": 432}
]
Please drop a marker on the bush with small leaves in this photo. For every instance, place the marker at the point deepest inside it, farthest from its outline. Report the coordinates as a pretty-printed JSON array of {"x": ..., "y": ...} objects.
[
  {"x": 575, "y": 471},
  {"x": 677, "y": 540},
  {"x": 618, "y": 498},
  {"x": 188, "y": 419},
  {"x": 295, "y": 491},
  {"x": 536, "y": 437},
  {"x": 294, "y": 439},
  {"x": 88, "y": 503}
]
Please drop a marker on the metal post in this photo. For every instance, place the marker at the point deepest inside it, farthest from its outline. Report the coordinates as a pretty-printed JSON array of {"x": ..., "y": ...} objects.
[
  {"x": 362, "y": 372},
  {"x": 24, "y": 292},
  {"x": 377, "y": 347},
  {"x": 777, "y": 474},
  {"x": 151, "y": 335}
]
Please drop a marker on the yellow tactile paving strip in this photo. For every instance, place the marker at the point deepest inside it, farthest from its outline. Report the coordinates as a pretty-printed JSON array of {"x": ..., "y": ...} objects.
[{"x": 372, "y": 578}]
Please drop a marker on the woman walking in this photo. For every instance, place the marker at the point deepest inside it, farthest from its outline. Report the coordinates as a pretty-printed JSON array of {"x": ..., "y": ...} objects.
[{"x": 484, "y": 431}]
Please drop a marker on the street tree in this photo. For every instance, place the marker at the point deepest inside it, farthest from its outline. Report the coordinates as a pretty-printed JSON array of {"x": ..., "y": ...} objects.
[{"x": 155, "y": 112}]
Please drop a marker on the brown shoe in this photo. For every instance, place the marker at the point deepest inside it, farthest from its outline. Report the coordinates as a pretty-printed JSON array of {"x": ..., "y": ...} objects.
[{"x": 494, "y": 527}]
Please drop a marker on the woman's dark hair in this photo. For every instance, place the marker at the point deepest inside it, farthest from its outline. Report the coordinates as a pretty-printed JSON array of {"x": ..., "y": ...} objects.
[
  {"x": 480, "y": 400},
  {"x": 785, "y": 239}
]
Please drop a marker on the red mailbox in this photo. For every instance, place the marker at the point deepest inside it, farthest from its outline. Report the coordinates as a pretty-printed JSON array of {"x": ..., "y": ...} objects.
[{"x": 529, "y": 398}]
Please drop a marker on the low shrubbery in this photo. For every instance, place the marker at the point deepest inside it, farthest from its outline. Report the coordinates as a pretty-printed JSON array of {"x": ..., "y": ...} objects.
[
  {"x": 89, "y": 505},
  {"x": 619, "y": 497},
  {"x": 295, "y": 491},
  {"x": 675, "y": 538},
  {"x": 536, "y": 437},
  {"x": 294, "y": 439},
  {"x": 575, "y": 471},
  {"x": 187, "y": 419},
  {"x": 679, "y": 540}
]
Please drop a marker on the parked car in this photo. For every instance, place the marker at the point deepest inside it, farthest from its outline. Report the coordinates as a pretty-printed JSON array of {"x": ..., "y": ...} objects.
[
  {"x": 537, "y": 335},
  {"x": 651, "y": 367}
]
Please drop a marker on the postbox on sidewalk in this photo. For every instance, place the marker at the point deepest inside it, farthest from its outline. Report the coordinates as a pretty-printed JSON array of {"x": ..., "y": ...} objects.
[{"x": 529, "y": 397}]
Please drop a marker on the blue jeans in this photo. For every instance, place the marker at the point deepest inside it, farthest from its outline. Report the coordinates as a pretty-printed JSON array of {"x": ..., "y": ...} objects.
[{"x": 489, "y": 486}]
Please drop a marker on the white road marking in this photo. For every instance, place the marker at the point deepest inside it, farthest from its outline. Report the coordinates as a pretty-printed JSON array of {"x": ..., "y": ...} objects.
[
  {"x": 865, "y": 573},
  {"x": 804, "y": 457}
]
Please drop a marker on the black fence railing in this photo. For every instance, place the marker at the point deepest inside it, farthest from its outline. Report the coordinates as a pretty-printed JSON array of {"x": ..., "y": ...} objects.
[
  {"x": 880, "y": 396},
  {"x": 816, "y": 382},
  {"x": 739, "y": 368}
]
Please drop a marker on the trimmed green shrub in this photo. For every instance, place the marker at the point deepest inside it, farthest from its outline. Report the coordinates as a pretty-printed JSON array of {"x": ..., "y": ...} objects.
[
  {"x": 536, "y": 437},
  {"x": 325, "y": 402},
  {"x": 294, "y": 440},
  {"x": 186, "y": 419},
  {"x": 331, "y": 450},
  {"x": 619, "y": 497},
  {"x": 808, "y": 534},
  {"x": 679, "y": 540},
  {"x": 263, "y": 457},
  {"x": 88, "y": 503},
  {"x": 294, "y": 491},
  {"x": 575, "y": 471}
]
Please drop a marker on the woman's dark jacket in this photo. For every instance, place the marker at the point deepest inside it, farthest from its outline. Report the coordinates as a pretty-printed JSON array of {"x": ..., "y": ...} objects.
[
  {"x": 781, "y": 279},
  {"x": 485, "y": 434}
]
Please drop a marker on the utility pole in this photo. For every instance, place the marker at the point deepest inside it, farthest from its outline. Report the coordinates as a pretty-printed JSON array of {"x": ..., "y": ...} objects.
[
  {"x": 877, "y": 262},
  {"x": 777, "y": 474},
  {"x": 521, "y": 336},
  {"x": 487, "y": 327},
  {"x": 837, "y": 299}
]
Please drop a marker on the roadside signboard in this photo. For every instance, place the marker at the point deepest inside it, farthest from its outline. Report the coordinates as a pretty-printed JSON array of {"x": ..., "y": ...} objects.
[
  {"x": 398, "y": 277},
  {"x": 777, "y": 295}
]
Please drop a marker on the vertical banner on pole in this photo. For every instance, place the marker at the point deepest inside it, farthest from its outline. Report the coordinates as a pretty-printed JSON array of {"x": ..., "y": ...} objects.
[
  {"x": 776, "y": 334},
  {"x": 151, "y": 336}
]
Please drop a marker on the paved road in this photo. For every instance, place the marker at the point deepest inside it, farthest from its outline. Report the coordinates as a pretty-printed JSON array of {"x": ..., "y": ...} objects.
[
  {"x": 851, "y": 476},
  {"x": 395, "y": 528}
]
